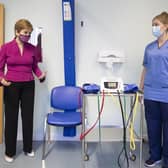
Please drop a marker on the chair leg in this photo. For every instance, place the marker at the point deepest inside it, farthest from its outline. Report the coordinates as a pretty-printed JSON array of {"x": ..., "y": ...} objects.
[
  {"x": 43, "y": 164},
  {"x": 49, "y": 135}
]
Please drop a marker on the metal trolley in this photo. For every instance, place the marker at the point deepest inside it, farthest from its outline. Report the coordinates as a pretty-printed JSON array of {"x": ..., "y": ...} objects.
[{"x": 139, "y": 137}]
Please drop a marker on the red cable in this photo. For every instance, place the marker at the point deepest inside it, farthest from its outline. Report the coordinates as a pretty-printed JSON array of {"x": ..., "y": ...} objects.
[{"x": 98, "y": 118}]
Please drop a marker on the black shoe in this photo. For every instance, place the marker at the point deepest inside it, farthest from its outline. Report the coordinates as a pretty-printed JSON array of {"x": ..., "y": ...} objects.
[{"x": 152, "y": 163}]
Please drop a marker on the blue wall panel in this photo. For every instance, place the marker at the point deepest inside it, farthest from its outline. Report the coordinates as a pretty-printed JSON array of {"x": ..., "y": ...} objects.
[{"x": 69, "y": 50}]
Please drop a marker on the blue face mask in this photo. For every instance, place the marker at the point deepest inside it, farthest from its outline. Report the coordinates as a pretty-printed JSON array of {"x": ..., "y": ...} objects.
[{"x": 156, "y": 31}]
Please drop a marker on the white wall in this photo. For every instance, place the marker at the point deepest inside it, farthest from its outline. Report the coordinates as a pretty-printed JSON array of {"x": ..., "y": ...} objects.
[
  {"x": 121, "y": 24},
  {"x": 46, "y": 14}
]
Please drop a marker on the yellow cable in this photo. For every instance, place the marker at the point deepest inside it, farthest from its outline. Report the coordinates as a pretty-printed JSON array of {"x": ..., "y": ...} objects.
[{"x": 131, "y": 130}]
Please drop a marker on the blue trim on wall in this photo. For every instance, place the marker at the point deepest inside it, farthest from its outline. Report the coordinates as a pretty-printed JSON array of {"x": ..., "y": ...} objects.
[{"x": 69, "y": 55}]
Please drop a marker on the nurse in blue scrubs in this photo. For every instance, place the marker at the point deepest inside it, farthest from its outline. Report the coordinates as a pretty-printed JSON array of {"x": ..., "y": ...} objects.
[{"x": 154, "y": 83}]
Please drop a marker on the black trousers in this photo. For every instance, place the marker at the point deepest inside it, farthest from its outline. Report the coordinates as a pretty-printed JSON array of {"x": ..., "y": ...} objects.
[{"x": 19, "y": 95}]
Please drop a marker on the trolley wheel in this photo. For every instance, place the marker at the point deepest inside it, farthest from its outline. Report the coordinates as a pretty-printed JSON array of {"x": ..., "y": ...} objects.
[
  {"x": 86, "y": 157},
  {"x": 133, "y": 157}
]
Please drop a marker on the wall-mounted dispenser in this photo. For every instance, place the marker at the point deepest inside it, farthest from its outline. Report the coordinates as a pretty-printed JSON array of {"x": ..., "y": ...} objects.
[{"x": 111, "y": 56}]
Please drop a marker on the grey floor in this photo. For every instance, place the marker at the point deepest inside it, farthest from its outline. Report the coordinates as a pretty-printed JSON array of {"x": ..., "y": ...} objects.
[{"x": 68, "y": 155}]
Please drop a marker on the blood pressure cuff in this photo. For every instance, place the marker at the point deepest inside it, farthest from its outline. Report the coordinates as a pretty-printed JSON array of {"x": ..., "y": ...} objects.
[
  {"x": 90, "y": 88},
  {"x": 130, "y": 88}
]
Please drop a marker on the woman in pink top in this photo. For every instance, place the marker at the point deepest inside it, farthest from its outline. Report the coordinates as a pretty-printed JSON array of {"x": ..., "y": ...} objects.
[{"x": 20, "y": 60}]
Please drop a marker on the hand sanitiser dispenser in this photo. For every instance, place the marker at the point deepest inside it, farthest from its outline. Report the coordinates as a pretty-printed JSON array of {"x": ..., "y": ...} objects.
[{"x": 111, "y": 56}]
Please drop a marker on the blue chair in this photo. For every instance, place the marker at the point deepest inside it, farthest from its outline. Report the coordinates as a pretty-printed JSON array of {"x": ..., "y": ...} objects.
[{"x": 63, "y": 98}]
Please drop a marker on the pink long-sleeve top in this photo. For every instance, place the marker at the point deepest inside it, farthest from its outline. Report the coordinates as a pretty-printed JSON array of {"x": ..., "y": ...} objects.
[{"x": 20, "y": 68}]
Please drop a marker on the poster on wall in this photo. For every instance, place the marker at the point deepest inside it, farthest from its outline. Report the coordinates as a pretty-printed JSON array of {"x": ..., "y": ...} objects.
[{"x": 67, "y": 11}]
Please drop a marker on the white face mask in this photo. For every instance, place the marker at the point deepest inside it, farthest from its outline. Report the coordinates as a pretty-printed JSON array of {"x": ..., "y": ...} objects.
[{"x": 156, "y": 31}]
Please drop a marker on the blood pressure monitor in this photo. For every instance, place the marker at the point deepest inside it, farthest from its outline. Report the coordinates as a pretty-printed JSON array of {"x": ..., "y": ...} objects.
[{"x": 112, "y": 84}]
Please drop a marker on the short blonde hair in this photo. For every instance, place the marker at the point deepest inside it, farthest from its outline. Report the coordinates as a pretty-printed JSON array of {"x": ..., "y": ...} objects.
[
  {"x": 23, "y": 24},
  {"x": 163, "y": 17}
]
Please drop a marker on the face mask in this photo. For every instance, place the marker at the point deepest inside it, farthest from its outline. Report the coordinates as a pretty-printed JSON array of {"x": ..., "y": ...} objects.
[
  {"x": 24, "y": 38},
  {"x": 156, "y": 31}
]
